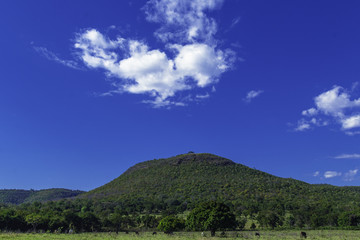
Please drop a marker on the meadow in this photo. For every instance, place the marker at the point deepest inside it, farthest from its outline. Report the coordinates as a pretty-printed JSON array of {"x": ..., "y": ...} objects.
[{"x": 270, "y": 235}]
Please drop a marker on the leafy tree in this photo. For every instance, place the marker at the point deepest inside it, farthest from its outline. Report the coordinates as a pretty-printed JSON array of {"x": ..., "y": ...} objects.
[
  {"x": 57, "y": 223},
  {"x": 72, "y": 219},
  {"x": 89, "y": 222},
  {"x": 149, "y": 221},
  {"x": 290, "y": 221},
  {"x": 269, "y": 218},
  {"x": 349, "y": 219},
  {"x": 253, "y": 226},
  {"x": 12, "y": 220},
  {"x": 211, "y": 216},
  {"x": 241, "y": 223},
  {"x": 317, "y": 220},
  {"x": 171, "y": 223},
  {"x": 34, "y": 220},
  {"x": 116, "y": 221}
]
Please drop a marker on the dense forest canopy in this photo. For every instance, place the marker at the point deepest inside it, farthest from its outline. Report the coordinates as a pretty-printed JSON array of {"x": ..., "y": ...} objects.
[{"x": 171, "y": 191}]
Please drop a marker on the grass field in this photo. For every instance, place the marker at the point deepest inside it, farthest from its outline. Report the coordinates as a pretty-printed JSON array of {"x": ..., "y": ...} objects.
[{"x": 271, "y": 235}]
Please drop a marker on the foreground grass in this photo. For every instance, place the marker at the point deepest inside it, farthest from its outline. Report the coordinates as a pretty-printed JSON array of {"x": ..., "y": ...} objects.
[{"x": 270, "y": 235}]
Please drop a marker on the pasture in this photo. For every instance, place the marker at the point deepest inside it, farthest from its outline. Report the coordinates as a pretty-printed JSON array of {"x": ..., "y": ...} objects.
[{"x": 270, "y": 235}]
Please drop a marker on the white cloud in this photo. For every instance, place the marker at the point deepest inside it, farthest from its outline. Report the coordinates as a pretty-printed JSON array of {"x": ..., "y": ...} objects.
[
  {"x": 207, "y": 95},
  {"x": 350, "y": 175},
  {"x": 335, "y": 105},
  {"x": 302, "y": 126},
  {"x": 252, "y": 94},
  {"x": 53, "y": 57},
  {"x": 331, "y": 174},
  {"x": 348, "y": 156},
  {"x": 151, "y": 71},
  {"x": 190, "y": 58},
  {"x": 335, "y": 101},
  {"x": 309, "y": 112},
  {"x": 317, "y": 173},
  {"x": 354, "y": 86},
  {"x": 351, "y": 122},
  {"x": 352, "y": 133},
  {"x": 183, "y": 20}
]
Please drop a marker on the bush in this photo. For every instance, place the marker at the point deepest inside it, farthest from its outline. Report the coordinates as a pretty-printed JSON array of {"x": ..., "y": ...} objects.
[{"x": 171, "y": 223}]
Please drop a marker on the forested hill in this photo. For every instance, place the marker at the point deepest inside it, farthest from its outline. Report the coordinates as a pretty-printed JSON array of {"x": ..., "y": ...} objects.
[
  {"x": 184, "y": 180},
  {"x": 16, "y": 196}
]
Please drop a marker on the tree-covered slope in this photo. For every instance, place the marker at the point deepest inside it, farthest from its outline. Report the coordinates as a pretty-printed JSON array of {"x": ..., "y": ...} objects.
[
  {"x": 191, "y": 178},
  {"x": 16, "y": 196}
]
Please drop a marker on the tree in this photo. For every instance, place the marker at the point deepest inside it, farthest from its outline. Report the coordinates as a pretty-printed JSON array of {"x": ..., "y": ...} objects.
[
  {"x": 171, "y": 223},
  {"x": 149, "y": 221},
  {"x": 72, "y": 220},
  {"x": 116, "y": 221},
  {"x": 57, "y": 223},
  {"x": 349, "y": 219},
  {"x": 269, "y": 218},
  {"x": 12, "y": 220},
  {"x": 241, "y": 223},
  {"x": 211, "y": 216},
  {"x": 34, "y": 220},
  {"x": 89, "y": 222},
  {"x": 253, "y": 226}
]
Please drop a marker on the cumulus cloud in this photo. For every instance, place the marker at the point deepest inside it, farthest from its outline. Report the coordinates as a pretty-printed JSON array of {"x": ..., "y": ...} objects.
[
  {"x": 302, "y": 126},
  {"x": 183, "y": 20},
  {"x": 190, "y": 58},
  {"x": 350, "y": 175},
  {"x": 53, "y": 57},
  {"x": 310, "y": 112},
  {"x": 335, "y": 105},
  {"x": 351, "y": 122},
  {"x": 317, "y": 173},
  {"x": 331, "y": 174},
  {"x": 348, "y": 156},
  {"x": 152, "y": 71},
  {"x": 252, "y": 94},
  {"x": 335, "y": 101}
]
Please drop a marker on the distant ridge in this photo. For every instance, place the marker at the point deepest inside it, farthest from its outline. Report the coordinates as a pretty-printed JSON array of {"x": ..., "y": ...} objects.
[{"x": 19, "y": 196}]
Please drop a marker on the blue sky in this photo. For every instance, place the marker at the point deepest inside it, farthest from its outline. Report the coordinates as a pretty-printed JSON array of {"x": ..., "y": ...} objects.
[{"x": 90, "y": 88}]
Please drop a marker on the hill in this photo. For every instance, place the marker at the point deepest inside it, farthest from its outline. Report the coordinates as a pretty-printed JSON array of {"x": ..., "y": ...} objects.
[
  {"x": 180, "y": 182},
  {"x": 147, "y": 192},
  {"x": 18, "y": 196}
]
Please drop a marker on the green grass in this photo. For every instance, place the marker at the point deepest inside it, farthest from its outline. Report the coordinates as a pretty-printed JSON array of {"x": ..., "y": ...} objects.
[{"x": 270, "y": 235}]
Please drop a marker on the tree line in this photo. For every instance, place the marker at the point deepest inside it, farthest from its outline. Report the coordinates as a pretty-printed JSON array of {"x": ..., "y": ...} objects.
[{"x": 91, "y": 216}]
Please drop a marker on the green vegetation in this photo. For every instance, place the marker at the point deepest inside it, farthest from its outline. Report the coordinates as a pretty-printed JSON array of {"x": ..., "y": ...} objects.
[
  {"x": 12, "y": 196},
  {"x": 171, "y": 223},
  {"x": 179, "y": 183},
  {"x": 211, "y": 216},
  {"x": 190, "y": 192}
]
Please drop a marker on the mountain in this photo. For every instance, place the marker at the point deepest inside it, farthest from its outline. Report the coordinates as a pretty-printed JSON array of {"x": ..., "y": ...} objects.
[
  {"x": 191, "y": 178},
  {"x": 16, "y": 196}
]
